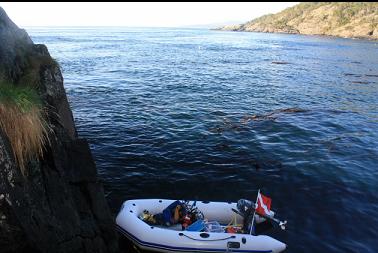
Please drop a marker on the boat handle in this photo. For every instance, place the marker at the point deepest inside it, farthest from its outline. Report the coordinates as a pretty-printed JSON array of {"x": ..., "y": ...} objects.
[
  {"x": 232, "y": 245},
  {"x": 207, "y": 240}
]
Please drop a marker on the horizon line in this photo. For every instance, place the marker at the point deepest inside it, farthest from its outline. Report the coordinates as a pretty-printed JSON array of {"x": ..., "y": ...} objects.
[{"x": 117, "y": 26}]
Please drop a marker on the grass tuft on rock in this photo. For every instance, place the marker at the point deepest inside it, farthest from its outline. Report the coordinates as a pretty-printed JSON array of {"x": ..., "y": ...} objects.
[{"x": 23, "y": 120}]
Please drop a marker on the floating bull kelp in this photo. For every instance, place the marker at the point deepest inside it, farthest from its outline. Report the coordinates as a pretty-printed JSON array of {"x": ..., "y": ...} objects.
[
  {"x": 280, "y": 62},
  {"x": 361, "y": 82},
  {"x": 270, "y": 116},
  {"x": 227, "y": 124},
  {"x": 351, "y": 74}
]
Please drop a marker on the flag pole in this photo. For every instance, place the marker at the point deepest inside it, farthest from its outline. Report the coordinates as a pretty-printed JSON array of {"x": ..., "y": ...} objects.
[{"x": 254, "y": 212}]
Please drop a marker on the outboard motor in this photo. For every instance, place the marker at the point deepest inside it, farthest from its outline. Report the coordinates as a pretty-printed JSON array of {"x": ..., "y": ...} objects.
[
  {"x": 246, "y": 209},
  {"x": 244, "y": 206}
]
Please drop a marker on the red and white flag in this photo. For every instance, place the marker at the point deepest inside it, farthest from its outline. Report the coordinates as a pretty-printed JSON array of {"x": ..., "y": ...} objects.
[{"x": 263, "y": 204}]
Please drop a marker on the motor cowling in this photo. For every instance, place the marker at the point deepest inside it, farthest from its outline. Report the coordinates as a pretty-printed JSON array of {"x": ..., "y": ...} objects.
[
  {"x": 246, "y": 209},
  {"x": 244, "y": 206}
]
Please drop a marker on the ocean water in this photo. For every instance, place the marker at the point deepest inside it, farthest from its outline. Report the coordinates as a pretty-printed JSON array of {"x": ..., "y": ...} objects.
[{"x": 210, "y": 115}]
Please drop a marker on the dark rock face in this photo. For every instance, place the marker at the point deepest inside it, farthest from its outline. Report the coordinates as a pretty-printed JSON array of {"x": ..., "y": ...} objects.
[
  {"x": 12, "y": 41},
  {"x": 59, "y": 205}
]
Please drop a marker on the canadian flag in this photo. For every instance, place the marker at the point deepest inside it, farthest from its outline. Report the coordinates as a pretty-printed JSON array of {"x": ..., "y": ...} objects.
[{"x": 263, "y": 204}]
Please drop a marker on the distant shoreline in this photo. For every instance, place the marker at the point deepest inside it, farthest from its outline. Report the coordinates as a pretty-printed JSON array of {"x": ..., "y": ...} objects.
[
  {"x": 320, "y": 35},
  {"x": 351, "y": 20}
]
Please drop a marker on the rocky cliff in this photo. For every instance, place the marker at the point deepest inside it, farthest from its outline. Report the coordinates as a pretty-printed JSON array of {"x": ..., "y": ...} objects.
[
  {"x": 342, "y": 19},
  {"x": 58, "y": 204}
]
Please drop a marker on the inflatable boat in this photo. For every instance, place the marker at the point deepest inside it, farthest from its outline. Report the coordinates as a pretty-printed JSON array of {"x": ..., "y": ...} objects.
[{"x": 175, "y": 239}]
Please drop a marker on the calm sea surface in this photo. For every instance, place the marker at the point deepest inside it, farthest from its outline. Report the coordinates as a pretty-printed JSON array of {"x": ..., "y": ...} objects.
[{"x": 208, "y": 115}]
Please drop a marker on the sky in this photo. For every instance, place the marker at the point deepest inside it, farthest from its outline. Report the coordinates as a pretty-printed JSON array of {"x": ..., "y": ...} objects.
[{"x": 138, "y": 14}]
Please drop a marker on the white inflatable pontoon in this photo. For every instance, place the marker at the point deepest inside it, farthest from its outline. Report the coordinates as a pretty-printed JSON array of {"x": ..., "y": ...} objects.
[{"x": 173, "y": 239}]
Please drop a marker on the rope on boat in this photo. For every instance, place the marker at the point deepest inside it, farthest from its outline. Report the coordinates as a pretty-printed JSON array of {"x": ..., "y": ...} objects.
[{"x": 209, "y": 240}]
